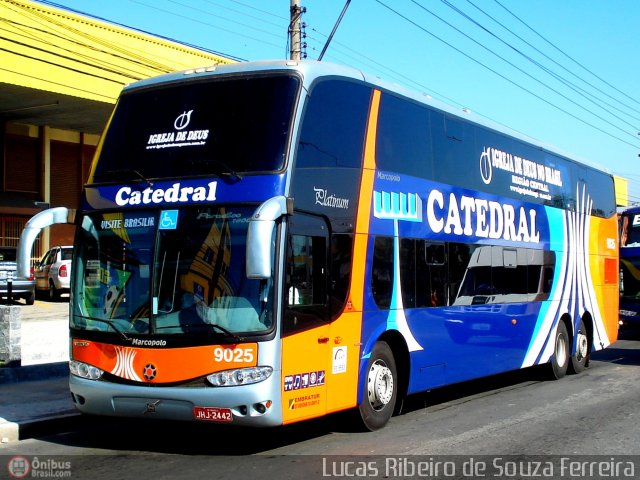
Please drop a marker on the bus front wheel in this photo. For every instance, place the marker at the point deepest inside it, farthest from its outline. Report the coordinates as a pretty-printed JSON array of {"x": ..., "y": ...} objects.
[{"x": 378, "y": 403}]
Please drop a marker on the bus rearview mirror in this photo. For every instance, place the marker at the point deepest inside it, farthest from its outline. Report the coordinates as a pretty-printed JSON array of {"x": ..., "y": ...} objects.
[{"x": 260, "y": 240}]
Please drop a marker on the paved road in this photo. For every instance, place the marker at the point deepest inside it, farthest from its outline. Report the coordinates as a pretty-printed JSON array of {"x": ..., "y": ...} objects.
[{"x": 589, "y": 417}]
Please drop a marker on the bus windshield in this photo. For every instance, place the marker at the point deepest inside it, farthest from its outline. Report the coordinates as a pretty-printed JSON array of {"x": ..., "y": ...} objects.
[
  {"x": 222, "y": 127},
  {"x": 168, "y": 272},
  {"x": 630, "y": 230},
  {"x": 630, "y": 263}
]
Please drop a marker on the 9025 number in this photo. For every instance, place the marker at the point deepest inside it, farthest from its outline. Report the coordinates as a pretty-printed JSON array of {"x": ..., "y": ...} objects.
[{"x": 233, "y": 355}]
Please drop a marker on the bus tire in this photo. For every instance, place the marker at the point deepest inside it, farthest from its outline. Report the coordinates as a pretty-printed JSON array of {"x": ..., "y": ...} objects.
[
  {"x": 381, "y": 392},
  {"x": 580, "y": 360},
  {"x": 560, "y": 359}
]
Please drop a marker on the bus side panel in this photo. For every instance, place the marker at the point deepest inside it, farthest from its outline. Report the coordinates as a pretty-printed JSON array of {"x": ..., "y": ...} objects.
[
  {"x": 342, "y": 379},
  {"x": 320, "y": 369},
  {"x": 605, "y": 272},
  {"x": 581, "y": 243},
  {"x": 305, "y": 361}
]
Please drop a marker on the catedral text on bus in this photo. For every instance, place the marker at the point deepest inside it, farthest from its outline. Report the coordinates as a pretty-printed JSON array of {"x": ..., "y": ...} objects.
[{"x": 264, "y": 243}]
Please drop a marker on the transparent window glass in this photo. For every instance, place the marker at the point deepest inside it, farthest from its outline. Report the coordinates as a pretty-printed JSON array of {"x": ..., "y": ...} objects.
[
  {"x": 408, "y": 272},
  {"x": 305, "y": 283},
  {"x": 341, "y": 252},
  {"x": 200, "y": 282},
  {"x": 431, "y": 274},
  {"x": 382, "y": 271},
  {"x": 113, "y": 272},
  {"x": 168, "y": 272},
  {"x": 630, "y": 232}
]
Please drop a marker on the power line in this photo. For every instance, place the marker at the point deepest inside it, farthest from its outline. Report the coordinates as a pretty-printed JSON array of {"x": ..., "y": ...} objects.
[
  {"x": 568, "y": 56},
  {"x": 360, "y": 58},
  {"x": 535, "y": 79},
  {"x": 558, "y": 64},
  {"x": 232, "y": 32},
  {"x": 503, "y": 76},
  {"x": 579, "y": 90}
]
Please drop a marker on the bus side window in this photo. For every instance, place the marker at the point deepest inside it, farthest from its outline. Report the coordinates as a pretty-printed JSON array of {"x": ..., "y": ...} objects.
[
  {"x": 624, "y": 230},
  {"x": 305, "y": 294},
  {"x": 382, "y": 272},
  {"x": 408, "y": 272},
  {"x": 341, "y": 251},
  {"x": 432, "y": 274},
  {"x": 457, "y": 261},
  {"x": 547, "y": 280}
]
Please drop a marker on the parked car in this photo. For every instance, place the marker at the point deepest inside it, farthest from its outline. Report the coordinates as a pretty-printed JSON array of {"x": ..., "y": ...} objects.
[
  {"x": 53, "y": 272},
  {"x": 20, "y": 287}
]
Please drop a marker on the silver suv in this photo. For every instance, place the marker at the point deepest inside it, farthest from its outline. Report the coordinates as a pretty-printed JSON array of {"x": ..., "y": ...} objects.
[
  {"x": 53, "y": 272},
  {"x": 20, "y": 287}
]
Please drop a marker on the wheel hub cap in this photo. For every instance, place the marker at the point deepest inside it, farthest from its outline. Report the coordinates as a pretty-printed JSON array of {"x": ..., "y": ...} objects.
[
  {"x": 380, "y": 385},
  {"x": 582, "y": 347},
  {"x": 561, "y": 349}
]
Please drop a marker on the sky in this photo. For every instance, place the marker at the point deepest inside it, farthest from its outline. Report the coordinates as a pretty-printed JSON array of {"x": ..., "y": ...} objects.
[{"x": 564, "y": 72}]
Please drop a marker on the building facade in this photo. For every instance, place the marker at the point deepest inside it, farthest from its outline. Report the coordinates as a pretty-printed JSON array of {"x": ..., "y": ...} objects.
[{"x": 60, "y": 75}]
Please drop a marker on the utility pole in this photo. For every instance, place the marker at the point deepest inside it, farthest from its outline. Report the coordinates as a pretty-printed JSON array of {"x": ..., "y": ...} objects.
[{"x": 294, "y": 30}]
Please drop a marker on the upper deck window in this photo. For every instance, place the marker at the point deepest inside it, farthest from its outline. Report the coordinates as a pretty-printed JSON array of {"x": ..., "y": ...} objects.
[
  {"x": 212, "y": 127},
  {"x": 404, "y": 137},
  {"x": 334, "y": 125}
]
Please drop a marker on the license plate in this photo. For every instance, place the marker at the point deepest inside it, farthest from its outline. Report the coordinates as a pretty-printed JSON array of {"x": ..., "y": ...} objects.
[{"x": 212, "y": 414}]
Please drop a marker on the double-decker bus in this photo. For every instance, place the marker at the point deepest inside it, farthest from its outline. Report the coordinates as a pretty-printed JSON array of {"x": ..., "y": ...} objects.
[
  {"x": 630, "y": 267},
  {"x": 264, "y": 243}
]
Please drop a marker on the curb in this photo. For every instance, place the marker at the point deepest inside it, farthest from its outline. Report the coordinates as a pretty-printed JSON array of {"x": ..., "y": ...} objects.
[
  {"x": 33, "y": 372},
  {"x": 63, "y": 422},
  {"x": 14, "y": 431}
]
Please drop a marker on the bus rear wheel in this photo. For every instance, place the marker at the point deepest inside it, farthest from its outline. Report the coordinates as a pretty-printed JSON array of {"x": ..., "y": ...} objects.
[
  {"x": 580, "y": 360},
  {"x": 378, "y": 403},
  {"x": 560, "y": 359}
]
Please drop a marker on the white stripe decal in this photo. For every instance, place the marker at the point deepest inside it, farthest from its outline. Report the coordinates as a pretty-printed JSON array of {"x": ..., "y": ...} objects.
[
  {"x": 124, "y": 364},
  {"x": 573, "y": 292}
]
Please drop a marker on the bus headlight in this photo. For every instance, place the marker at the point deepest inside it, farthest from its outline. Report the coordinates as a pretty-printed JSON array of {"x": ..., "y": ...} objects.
[
  {"x": 239, "y": 376},
  {"x": 84, "y": 370}
]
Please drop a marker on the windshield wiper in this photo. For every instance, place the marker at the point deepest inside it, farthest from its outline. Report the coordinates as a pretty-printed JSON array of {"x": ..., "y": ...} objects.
[
  {"x": 228, "y": 170},
  {"x": 108, "y": 322},
  {"x": 206, "y": 326},
  {"x": 207, "y": 166},
  {"x": 125, "y": 174}
]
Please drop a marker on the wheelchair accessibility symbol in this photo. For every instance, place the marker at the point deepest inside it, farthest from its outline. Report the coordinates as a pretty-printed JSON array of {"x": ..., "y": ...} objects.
[{"x": 168, "y": 220}]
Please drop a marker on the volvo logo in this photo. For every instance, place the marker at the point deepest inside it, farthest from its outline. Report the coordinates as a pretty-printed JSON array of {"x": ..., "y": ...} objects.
[{"x": 183, "y": 120}]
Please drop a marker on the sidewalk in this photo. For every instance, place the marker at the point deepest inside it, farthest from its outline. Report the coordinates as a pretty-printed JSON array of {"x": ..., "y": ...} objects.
[{"x": 35, "y": 398}]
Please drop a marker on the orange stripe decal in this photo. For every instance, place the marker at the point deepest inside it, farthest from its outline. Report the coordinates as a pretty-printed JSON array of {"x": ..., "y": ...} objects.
[{"x": 364, "y": 206}]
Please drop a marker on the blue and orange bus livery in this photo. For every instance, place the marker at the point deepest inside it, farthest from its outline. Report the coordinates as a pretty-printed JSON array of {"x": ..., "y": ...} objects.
[{"x": 264, "y": 243}]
